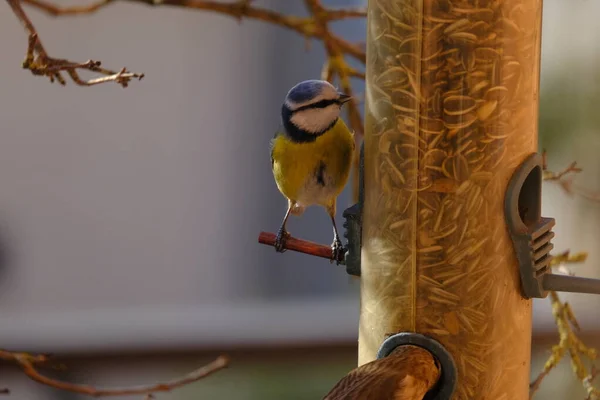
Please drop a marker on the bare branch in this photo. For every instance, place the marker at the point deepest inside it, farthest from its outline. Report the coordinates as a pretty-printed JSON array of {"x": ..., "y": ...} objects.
[
  {"x": 551, "y": 176},
  {"x": 239, "y": 9},
  {"x": 314, "y": 26},
  {"x": 39, "y": 63},
  {"x": 335, "y": 14},
  {"x": 233, "y": 9},
  {"x": 592, "y": 392},
  {"x": 568, "y": 340},
  {"x": 569, "y": 343},
  {"x": 72, "y": 10},
  {"x": 27, "y": 362},
  {"x": 565, "y": 180},
  {"x": 567, "y": 258}
]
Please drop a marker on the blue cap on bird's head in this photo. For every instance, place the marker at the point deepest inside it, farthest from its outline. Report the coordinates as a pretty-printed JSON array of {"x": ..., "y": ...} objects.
[
  {"x": 312, "y": 91},
  {"x": 311, "y": 108}
]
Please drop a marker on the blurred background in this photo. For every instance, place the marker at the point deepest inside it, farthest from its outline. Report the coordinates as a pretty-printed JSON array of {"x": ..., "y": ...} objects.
[{"x": 129, "y": 218}]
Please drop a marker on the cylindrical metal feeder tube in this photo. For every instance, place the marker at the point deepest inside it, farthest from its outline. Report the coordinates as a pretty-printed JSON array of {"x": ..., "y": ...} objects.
[{"x": 451, "y": 112}]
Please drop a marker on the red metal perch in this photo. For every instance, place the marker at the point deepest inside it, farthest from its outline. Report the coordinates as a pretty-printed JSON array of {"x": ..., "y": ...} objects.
[{"x": 299, "y": 245}]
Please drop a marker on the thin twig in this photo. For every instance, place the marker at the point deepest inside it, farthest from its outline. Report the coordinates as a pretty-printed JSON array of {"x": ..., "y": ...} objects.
[
  {"x": 345, "y": 13},
  {"x": 239, "y": 9},
  {"x": 592, "y": 392},
  {"x": 567, "y": 258},
  {"x": 67, "y": 10},
  {"x": 565, "y": 179},
  {"x": 39, "y": 63},
  {"x": 552, "y": 176},
  {"x": 569, "y": 343},
  {"x": 27, "y": 362},
  {"x": 229, "y": 8}
]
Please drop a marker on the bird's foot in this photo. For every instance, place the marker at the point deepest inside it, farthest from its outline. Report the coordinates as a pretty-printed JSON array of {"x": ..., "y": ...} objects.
[
  {"x": 282, "y": 236},
  {"x": 337, "y": 251}
]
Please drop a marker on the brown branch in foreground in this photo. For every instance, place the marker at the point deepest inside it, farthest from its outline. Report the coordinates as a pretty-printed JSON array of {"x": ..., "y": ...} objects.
[
  {"x": 408, "y": 373},
  {"x": 39, "y": 63},
  {"x": 27, "y": 363}
]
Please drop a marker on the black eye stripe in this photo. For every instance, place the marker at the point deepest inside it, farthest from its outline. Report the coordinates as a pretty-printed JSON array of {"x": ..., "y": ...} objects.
[{"x": 318, "y": 104}]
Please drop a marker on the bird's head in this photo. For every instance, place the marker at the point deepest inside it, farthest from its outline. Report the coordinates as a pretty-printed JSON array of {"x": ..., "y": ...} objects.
[{"x": 312, "y": 107}]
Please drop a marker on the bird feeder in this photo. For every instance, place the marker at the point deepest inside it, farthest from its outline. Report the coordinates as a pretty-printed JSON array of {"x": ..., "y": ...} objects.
[
  {"x": 453, "y": 243},
  {"x": 451, "y": 114}
]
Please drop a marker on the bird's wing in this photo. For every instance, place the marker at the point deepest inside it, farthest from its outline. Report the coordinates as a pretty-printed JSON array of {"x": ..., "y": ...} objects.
[{"x": 278, "y": 132}]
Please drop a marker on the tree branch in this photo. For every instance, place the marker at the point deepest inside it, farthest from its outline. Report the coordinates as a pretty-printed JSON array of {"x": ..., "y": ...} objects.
[
  {"x": 567, "y": 258},
  {"x": 569, "y": 342},
  {"x": 27, "y": 363},
  {"x": 67, "y": 10},
  {"x": 39, "y": 63},
  {"x": 565, "y": 179},
  {"x": 239, "y": 9},
  {"x": 336, "y": 14}
]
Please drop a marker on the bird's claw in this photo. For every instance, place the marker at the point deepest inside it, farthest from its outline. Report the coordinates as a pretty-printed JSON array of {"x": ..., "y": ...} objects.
[
  {"x": 282, "y": 236},
  {"x": 337, "y": 251}
]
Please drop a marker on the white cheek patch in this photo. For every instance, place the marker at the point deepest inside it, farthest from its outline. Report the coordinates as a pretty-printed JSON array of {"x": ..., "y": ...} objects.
[{"x": 316, "y": 120}]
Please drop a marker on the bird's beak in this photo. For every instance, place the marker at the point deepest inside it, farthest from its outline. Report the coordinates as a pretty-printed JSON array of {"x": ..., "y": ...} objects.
[{"x": 344, "y": 98}]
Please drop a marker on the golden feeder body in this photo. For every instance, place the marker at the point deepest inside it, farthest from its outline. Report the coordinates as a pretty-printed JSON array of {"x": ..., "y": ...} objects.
[{"x": 451, "y": 113}]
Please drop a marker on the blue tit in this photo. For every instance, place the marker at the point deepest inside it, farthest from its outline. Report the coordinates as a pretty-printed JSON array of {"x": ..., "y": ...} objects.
[{"x": 311, "y": 155}]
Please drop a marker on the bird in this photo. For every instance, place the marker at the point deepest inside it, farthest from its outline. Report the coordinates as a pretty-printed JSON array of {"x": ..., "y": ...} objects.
[{"x": 311, "y": 154}]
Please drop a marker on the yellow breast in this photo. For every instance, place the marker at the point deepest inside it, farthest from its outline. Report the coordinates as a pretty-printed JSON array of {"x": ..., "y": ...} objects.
[{"x": 296, "y": 166}]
